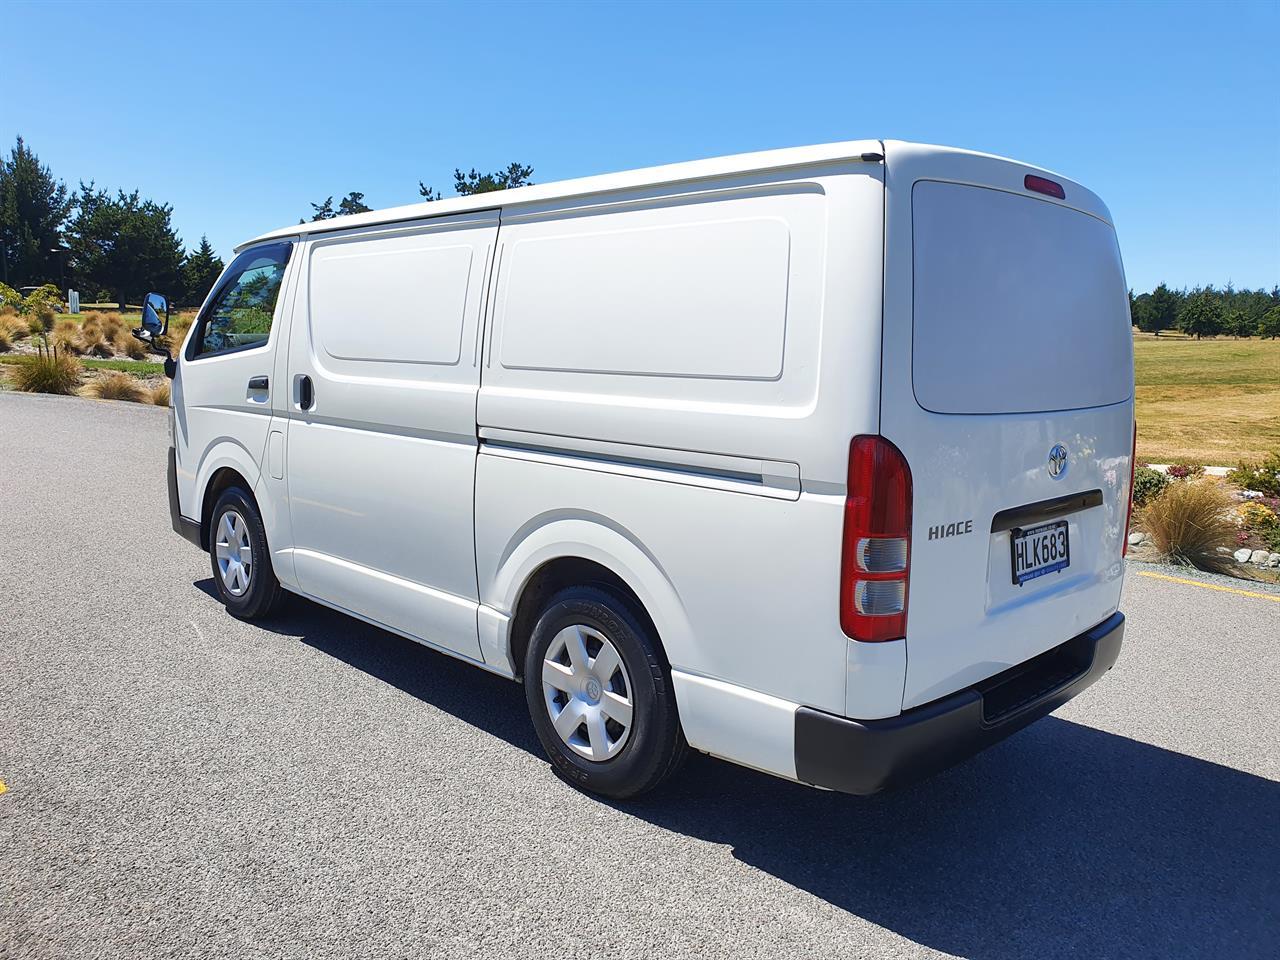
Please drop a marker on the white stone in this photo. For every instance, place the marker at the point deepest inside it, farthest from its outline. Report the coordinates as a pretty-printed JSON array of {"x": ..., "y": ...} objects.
[
  {"x": 1136, "y": 538},
  {"x": 1259, "y": 556},
  {"x": 1242, "y": 555},
  {"x": 1273, "y": 560}
]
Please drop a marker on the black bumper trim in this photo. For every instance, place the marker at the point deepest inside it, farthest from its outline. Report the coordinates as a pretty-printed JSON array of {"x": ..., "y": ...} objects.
[
  {"x": 189, "y": 529},
  {"x": 867, "y": 756}
]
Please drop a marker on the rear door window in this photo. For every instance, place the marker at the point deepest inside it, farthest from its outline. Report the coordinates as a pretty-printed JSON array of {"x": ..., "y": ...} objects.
[{"x": 1020, "y": 304}]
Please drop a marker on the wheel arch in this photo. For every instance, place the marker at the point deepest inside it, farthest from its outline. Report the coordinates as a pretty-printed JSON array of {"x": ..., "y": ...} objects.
[
  {"x": 226, "y": 464},
  {"x": 562, "y": 552}
]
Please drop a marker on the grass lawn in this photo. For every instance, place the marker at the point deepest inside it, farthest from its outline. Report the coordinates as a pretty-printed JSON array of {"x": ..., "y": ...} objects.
[
  {"x": 1209, "y": 401},
  {"x": 141, "y": 368}
]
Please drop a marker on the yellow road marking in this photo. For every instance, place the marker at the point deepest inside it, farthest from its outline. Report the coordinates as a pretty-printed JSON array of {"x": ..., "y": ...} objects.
[
  {"x": 3, "y": 788},
  {"x": 1209, "y": 586}
]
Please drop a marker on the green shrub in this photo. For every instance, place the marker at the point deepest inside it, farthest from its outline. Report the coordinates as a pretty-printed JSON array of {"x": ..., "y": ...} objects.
[
  {"x": 1147, "y": 484},
  {"x": 1263, "y": 477},
  {"x": 49, "y": 371},
  {"x": 1261, "y": 519},
  {"x": 45, "y": 296},
  {"x": 1189, "y": 522},
  {"x": 10, "y": 297}
]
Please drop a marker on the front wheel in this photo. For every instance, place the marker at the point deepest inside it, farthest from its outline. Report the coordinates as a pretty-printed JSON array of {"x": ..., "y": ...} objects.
[
  {"x": 242, "y": 571},
  {"x": 600, "y": 695}
]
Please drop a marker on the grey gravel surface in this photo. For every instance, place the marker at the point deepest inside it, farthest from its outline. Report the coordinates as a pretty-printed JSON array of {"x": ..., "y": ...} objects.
[{"x": 184, "y": 785}]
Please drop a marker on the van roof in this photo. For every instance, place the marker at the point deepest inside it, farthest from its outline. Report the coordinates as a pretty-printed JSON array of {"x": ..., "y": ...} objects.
[
  {"x": 693, "y": 170},
  {"x": 584, "y": 186}
]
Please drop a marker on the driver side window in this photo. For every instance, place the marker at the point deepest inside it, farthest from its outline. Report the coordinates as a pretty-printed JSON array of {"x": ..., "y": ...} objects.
[{"x": 240, "y": 314}]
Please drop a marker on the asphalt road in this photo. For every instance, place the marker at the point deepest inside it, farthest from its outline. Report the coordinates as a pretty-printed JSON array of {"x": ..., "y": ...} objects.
[{"x": 184, "y": 785}]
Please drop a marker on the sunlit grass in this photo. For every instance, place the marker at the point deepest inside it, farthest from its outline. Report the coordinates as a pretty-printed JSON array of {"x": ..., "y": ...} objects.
[{"x": 1208, "y": 401}]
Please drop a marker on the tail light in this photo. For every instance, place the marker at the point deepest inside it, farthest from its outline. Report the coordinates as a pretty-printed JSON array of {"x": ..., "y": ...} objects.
[
  {"x": 876, "y": 561},
  {"x": 1133, "y": 463}
]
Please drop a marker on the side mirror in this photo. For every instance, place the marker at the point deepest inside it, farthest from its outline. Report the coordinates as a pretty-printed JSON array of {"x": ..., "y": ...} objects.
[
  {"x": 152, "y": 308},
  {"x": 152, "y": 327}
]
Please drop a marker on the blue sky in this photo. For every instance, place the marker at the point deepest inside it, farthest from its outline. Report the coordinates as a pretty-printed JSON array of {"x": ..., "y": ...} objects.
[{"x": 240, "y": 115}]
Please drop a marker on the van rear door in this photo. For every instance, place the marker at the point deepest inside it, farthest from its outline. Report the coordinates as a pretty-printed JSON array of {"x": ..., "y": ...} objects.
[{"x": 1008, "y": 386}]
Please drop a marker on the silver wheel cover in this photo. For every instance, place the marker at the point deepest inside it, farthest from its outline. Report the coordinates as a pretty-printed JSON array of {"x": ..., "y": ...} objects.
[
  {"x": 587, "y": 692},
  {"x": 233, "y": 552}
]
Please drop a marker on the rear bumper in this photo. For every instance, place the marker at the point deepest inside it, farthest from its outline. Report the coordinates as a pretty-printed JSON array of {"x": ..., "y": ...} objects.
[
  {"x": 190, "y": 529},
  {"x": 866, "y": 756}
]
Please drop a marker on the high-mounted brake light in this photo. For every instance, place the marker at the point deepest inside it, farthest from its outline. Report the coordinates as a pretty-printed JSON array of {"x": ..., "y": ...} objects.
[
  {"x": 876, "y": 562},
  {"x": 1128, "y": 518},
  {"x": 1043, "y": 185}
]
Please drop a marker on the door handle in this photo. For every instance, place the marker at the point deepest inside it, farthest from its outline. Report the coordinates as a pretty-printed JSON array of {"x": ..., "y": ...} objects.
[
  {"x": 306, "y": 395},
  {"x": 258, "y": 383}
]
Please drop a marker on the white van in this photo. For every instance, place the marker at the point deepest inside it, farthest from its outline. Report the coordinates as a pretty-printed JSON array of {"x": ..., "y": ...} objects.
[{"x": 817, "y": 460}]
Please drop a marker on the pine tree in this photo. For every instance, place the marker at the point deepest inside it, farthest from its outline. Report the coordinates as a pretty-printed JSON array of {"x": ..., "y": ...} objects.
[
  {"x": 125, "y": 244},
  {"x": 1269, "y": 327},
  {"x": 1163, "y": 307},
  {"x": 1238, "y": 324},
  {"x": 1201, "y": 315},
  {"x": 467, "y": 184},
  {"x": 323, "y": 211},
  {"x": 200, "y": 271},
  {"x": 352, "y": 203},
  {"x": 33, "y": 210}
]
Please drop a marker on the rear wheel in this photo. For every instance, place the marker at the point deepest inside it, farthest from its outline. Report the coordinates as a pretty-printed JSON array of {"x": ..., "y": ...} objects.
[
  {"x": 600, "y": 695},
  {"x": 242, "y": 571}
]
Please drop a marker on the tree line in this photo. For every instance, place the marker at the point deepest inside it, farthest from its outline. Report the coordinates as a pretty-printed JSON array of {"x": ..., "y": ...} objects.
[
  {"x": 117, "y": 246},
  {"x": 464, "y": 185},
  {"x": 1208, "y": 311}
]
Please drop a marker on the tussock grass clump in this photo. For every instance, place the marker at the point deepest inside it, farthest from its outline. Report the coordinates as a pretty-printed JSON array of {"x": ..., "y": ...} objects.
[
  {"x": 100, "y": 347},
  {"x": 93, "y": 339},
  {"x": 11, "y": 329},
  {"x": 1187, "y": 523},
  {"x": 49, "y": 371},
  {"x": 160, "y": 394},
  {"x": 124, "y": 342},
  {"x": 113, "y": 325},
  {"x": 179, "y": 324},
  {"x": 114, "y": 385},
  {"x": 66, "y": 336},
  {"x": 11, "y": 324}
]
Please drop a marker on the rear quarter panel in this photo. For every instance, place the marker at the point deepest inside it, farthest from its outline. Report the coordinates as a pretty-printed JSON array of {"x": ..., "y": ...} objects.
[{"x": 744, "y": 585}]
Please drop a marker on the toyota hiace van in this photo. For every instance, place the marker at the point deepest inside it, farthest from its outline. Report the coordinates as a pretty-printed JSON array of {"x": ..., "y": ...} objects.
[{"x": 816, "y": 460}]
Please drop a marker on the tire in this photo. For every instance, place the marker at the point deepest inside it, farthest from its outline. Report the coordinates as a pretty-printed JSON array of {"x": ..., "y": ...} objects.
[
  {"x": 248, "y": 591},
  {"x": 600, "y": 755}
]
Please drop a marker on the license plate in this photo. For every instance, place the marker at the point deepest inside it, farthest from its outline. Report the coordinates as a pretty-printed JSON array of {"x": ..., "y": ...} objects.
[{"x": 1039, "y": 550}]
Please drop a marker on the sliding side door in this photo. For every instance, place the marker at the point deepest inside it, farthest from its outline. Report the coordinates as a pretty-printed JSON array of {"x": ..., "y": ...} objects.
[{"x": 384, "y": 370}]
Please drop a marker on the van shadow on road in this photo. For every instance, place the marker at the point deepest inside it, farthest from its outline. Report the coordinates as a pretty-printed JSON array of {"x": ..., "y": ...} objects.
[{"x": 1063, "y": 841}]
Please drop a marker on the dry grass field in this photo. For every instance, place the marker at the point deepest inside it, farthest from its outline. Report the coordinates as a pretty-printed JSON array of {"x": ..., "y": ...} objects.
[{"x": 1209, "y": 401}]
